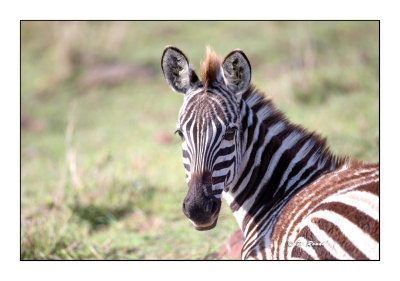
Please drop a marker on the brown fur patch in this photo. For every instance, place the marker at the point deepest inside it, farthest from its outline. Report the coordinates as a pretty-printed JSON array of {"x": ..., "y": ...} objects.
[
  {"x": 321, "y": 252},
  {"x": 301, "y": 254},
  {"x": 357, "y": 217},
  {"x": 210, "y": 68},
  {"x": 337, "y": 235}
]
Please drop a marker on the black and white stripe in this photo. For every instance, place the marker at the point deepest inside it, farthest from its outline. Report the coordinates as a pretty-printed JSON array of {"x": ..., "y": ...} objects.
[{"x": 203, "y": 122}]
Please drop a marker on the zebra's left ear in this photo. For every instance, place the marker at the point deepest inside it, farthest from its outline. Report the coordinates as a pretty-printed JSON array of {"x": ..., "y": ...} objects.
[
  {"x": 236, "y": 72},
  {"x": 177, "y": 71}
]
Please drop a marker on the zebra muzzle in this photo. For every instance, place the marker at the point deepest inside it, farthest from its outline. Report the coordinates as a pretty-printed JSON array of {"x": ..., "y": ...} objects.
[
  {"x": 202, "y": 211},
  {"x": 200, "y": 205}
]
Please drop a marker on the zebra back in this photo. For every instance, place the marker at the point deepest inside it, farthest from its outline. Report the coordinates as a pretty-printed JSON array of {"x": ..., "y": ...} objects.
[{"x": 334, "y": 217}]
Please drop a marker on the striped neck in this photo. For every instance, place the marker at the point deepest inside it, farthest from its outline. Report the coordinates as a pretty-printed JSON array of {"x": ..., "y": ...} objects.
[{"x": 278, "y": 159}]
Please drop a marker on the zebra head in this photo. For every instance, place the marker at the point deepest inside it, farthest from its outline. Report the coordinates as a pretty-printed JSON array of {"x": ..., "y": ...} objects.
[{"x": 209, "y": 125}]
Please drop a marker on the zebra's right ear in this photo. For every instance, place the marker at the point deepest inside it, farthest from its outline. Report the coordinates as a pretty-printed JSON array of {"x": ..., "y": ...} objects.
[
  {"x": 237, "y": 71},
  {"x": 177, "y": 71}
]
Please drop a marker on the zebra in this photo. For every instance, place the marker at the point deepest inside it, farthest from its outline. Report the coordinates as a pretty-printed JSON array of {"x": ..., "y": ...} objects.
[{"x": 291, "y": 197}]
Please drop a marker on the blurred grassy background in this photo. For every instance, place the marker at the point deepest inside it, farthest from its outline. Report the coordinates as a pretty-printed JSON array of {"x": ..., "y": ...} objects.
[{"x": 101, "y": 171}]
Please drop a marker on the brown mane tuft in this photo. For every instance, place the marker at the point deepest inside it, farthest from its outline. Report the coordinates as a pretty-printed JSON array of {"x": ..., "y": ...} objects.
[{"x": 210, "y": 68}]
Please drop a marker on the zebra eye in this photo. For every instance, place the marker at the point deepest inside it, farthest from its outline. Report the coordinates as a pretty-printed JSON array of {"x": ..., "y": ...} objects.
[
  {"x": 179, "y": 132},
  {"x": 230, "y": 133}
]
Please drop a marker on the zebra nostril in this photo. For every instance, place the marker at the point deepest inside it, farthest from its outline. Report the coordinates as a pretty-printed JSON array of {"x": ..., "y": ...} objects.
[{"x": 214, "y": 207}]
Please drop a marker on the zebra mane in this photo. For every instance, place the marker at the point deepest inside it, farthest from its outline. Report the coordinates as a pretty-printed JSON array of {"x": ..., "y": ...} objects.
[
  {"x": 210, "y": 68},
  {"x": 265, "y": 110}
]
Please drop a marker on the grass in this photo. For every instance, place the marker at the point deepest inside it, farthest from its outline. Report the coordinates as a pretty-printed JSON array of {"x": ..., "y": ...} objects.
[{"x": 101, "y": 174}]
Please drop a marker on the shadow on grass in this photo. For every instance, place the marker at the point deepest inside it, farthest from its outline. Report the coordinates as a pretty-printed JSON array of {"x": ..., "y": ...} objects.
[
  {"x": 98, "y": 216},
  {"x": 114, "y": 204}
]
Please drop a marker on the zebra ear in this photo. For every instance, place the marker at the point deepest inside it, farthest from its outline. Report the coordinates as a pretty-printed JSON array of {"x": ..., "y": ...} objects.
[
  {"x": 237, "y": 71},
  {"x": 177, "y": 71}
]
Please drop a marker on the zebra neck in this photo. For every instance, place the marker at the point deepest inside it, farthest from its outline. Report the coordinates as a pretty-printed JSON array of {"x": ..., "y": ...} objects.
[{"x": 278, "y": 159}]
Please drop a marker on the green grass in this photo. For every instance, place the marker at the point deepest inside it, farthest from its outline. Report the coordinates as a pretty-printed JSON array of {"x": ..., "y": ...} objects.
[{"x": 97, "y": 181}]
